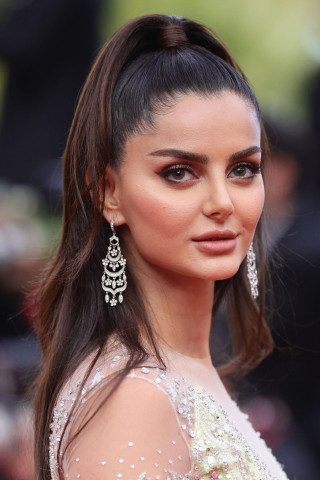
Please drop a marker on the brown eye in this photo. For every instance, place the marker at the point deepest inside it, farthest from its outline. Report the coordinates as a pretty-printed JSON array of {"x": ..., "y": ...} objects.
[
  {"x": 240, "y": 171},
  {"x": 244, "y": 171},
  {"x": 178, "y": 174}
]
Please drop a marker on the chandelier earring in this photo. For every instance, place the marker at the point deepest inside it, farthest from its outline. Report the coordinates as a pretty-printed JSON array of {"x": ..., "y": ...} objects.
[
  {"x": 114, "y": 280},
  {"x": 252, "y": 272}
]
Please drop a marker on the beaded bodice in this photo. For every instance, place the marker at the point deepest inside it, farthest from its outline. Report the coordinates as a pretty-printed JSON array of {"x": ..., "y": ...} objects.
[{"x": 193, "y": 438}]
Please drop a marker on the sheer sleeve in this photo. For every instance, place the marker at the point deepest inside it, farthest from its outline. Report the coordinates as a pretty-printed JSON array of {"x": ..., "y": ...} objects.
[{"x": 134, "y": 435}]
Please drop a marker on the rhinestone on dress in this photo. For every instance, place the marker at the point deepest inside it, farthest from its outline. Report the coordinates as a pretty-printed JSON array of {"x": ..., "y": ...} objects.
[{"x": 218, "y": 450}]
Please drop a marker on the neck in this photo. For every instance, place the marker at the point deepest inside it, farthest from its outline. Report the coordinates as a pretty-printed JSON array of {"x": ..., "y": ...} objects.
[{"x": 180, "y": 311}]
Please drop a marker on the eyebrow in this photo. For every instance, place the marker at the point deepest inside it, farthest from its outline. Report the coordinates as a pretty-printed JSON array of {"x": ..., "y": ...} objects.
[{"x": 201, "y": 158}]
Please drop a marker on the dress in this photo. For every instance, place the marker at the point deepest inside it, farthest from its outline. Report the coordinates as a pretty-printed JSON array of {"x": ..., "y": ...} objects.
[{"x": 158, "y": 425}]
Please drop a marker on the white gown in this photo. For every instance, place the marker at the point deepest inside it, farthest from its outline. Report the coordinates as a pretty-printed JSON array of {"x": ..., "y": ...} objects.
[{"x": 159, "y": 424}]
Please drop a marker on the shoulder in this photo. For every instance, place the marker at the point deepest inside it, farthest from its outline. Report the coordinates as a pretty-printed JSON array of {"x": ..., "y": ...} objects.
[
  {"x": 136, "y": 422},
  {"x": 134, "y": 432}
]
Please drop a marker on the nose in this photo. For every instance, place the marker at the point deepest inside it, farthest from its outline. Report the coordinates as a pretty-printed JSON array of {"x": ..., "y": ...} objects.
[{"x": 218, "y": 203}]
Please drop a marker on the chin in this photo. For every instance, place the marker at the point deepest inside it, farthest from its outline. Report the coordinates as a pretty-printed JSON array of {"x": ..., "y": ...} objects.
[{"x": 224, "y": 273}]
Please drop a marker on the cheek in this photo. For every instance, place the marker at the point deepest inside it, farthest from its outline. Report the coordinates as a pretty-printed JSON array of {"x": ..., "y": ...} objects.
[
  {"x": 154, "y": 214},
  {"x": 250, "y": 205}
]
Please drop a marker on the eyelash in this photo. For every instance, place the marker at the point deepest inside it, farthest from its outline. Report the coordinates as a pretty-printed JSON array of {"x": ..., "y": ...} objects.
[
  {"x": 174, "y": 168},
  {"x": 255, "y": 169}
]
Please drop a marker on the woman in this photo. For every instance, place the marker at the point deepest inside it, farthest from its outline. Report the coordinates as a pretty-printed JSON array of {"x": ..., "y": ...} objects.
[{"x": 163, "y": 164}]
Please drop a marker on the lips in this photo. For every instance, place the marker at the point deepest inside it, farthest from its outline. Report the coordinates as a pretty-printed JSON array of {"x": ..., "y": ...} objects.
[
  {"x": 216, "y": 235},
  {"x": 217, "y": 242}
]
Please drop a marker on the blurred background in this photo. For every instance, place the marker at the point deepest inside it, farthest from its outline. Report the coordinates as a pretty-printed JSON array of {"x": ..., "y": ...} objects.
[{"x": 46, "y": 49}]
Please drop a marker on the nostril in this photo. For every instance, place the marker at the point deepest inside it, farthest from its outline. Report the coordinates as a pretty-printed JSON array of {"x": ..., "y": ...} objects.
[{"x": 218, "y": 209}]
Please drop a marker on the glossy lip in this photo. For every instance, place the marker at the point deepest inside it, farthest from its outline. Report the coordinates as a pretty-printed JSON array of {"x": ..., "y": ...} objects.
[
  {"x": 215, "y": 235},
  {"x": 217, "y": 242}
]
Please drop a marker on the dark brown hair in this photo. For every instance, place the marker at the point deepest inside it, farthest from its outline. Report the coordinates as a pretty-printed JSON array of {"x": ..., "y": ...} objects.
[{"x": 139, "y": 71}]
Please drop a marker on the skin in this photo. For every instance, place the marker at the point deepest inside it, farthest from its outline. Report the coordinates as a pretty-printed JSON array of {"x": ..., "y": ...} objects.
[{"x": 163, "y": 203}]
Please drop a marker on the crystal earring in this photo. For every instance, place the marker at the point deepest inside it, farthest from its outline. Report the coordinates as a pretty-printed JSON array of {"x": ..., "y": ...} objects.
[
  {"x": 114, "y": 280},
  {"x": 252, "y": 272}
]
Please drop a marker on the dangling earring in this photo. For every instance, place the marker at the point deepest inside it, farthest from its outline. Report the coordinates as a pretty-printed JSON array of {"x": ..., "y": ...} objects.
[
  {"x": 252, "y": 272},
  {"x": 114, "y": 280}
]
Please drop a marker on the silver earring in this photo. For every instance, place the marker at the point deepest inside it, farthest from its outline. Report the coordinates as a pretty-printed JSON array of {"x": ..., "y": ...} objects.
[
  {"x": 252, "y": 272},
  {"x": 114, "y": 280}
]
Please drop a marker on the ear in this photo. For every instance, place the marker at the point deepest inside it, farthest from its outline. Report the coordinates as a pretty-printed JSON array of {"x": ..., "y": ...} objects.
[{"x": 112, "y": 201}]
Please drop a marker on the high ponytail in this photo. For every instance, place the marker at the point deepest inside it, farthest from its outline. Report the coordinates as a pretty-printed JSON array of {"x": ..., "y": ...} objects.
[{"x": 143, "y": 66}]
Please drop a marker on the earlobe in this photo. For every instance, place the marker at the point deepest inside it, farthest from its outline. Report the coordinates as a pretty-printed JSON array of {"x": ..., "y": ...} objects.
[{"x": 112, "y": 204}]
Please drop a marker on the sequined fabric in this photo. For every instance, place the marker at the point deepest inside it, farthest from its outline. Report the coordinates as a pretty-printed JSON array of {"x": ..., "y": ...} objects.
[{"x": 206, "y": 442}]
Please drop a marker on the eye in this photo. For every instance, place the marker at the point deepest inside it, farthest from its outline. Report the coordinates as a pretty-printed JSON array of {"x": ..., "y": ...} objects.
[
  {"x": 245, "y": 170},
  {"x": 178, "y": 173}
]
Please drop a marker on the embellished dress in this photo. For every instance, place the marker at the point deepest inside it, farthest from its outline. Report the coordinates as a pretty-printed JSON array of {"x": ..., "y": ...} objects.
[{"x": 159, "y": 424}]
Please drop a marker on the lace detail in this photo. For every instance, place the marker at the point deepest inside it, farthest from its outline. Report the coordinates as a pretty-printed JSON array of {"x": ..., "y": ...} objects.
[{"x": 206, "y": 442}]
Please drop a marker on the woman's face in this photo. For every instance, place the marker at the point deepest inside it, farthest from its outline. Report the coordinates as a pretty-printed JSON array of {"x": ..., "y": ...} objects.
[{"x": 190, "y": 190}]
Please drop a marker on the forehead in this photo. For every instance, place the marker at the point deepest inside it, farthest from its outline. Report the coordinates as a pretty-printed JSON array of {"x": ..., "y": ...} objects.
[
  {"x": 190, "y": 110},
  {"x": 202, "y": 124}
]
